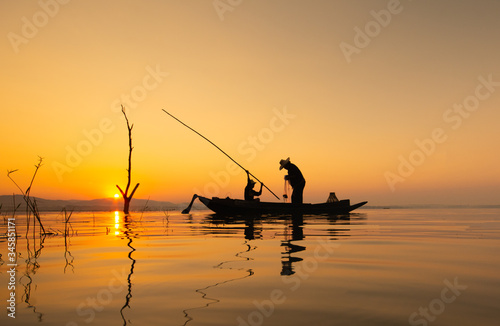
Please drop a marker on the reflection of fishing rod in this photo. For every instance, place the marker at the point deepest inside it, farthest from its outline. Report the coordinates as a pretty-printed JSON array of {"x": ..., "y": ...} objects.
[
  {"x": 214, "y": 300},
  {"x": 222, "y": 152}
]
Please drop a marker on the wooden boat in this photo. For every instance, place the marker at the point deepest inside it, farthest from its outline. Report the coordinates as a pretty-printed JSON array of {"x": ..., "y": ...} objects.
[{"x": 229, "y": 206}]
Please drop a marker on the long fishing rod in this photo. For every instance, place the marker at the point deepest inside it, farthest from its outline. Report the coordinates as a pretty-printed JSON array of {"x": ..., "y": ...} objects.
[{"x": 208, "y": 140}]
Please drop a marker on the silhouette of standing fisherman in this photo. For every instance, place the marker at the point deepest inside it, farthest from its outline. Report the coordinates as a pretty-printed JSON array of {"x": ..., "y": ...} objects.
[
  {"x": 296, "y": 180},
  {"x": 250, "y": 194}
]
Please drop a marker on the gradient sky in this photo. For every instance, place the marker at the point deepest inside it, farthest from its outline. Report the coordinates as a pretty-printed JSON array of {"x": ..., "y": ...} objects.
[{"x": 393, "y": 102}]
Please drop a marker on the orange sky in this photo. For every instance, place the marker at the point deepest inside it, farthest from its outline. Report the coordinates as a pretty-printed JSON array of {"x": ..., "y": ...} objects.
[{"x": 394, "y": 102}]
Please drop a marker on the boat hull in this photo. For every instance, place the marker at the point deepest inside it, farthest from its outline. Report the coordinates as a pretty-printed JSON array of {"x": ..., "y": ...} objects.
[{"x": 228, "y": 206}]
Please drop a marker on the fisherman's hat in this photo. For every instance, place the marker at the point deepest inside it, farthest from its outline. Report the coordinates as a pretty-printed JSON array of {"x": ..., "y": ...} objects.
[{"x": 283, "y": 163}]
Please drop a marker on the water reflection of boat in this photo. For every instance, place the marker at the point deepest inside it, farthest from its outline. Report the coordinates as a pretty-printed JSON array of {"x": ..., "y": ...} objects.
[
  {"x": 297, "y": 234},
  {"x": 222, "y": 265},
  {"x": 254, "y": 226},
  {"x": 229, "y": 206}
]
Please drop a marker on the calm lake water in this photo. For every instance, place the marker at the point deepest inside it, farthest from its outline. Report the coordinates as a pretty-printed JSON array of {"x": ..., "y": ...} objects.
[{"x": 378, "y": 267}]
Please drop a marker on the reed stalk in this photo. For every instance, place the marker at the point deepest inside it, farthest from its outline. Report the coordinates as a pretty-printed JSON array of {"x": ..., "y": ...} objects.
[{"x": 31, "y": 205}]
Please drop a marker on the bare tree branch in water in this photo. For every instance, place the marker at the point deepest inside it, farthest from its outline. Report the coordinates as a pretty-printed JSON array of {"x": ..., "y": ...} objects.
[
  {"x": 126, "y": 197},
  {"x": 67, "y": 227}
]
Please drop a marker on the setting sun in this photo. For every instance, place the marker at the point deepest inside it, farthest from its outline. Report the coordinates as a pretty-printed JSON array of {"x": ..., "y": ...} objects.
[{"x": 117, "y": 196}]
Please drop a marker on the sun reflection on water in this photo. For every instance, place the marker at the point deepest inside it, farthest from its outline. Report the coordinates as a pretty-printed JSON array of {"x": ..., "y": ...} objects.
[{"x": 117, "y": 223}]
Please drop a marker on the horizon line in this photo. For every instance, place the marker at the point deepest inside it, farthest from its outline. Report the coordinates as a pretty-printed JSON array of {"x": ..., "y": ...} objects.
[{"x": 408, "y": 205}]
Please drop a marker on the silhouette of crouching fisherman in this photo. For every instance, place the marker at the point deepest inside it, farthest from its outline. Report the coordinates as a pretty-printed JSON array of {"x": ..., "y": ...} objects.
[
  {"x": 250, "y": 194},
  {"x": 296, "y": 180}
]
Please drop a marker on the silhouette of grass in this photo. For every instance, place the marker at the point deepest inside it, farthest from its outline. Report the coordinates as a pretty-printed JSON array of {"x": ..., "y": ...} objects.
[{"x": 31, "y": 205}]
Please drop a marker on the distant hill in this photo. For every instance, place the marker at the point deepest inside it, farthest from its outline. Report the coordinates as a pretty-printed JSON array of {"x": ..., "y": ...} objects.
[
  {"x": 103, "y": 204},
  {"x": 110, "y": 204}
]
